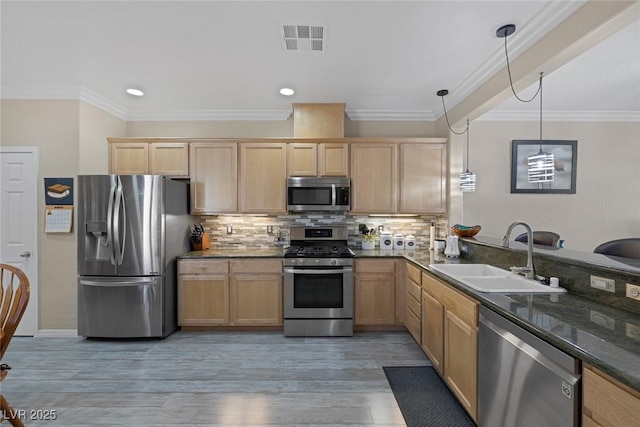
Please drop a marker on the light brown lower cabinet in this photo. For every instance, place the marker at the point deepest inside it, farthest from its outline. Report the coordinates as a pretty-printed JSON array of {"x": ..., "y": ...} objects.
[
  {"x": 607, "y": 402},
  {"x": 413, "y": 301},
  {"x": 433, "y": 330},
  {"x": 460, "y": 364},
  {"x": 256, "y": 292},
  {"x": 236, "y": 292},
  {"x": 203, "y": 292},
  {"x": 450, "y": 338},
  {"x": 375, "y": 289}
]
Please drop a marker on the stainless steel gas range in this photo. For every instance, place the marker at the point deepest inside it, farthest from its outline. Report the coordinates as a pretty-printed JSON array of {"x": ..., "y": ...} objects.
[{"x": 318, "y": 283}]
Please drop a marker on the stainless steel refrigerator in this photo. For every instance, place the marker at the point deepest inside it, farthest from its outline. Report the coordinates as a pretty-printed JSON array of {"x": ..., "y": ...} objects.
[{"x": 130, "y": 230}]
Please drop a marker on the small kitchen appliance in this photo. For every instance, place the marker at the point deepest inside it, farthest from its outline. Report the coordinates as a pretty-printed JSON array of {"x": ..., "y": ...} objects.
[
  {"x": 318, "y": 289},
  {"x": 452, "y": 250},
  {"x": 322, "y": 194}
]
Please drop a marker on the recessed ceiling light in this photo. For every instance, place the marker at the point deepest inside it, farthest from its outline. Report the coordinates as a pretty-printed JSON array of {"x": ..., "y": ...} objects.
[
  {"x": 135, "y": 92},
  {"x": 286, "y": 91}
]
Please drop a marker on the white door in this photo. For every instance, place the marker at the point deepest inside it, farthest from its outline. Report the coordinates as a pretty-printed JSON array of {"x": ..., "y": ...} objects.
[{"x": 19, "y": 222}]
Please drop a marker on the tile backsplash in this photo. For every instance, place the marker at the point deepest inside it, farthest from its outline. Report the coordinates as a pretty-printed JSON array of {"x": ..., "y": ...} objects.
[{"x": 250, "y": 231}]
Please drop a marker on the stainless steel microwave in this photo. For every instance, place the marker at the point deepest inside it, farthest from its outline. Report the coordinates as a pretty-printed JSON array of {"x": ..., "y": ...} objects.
[{"x": 318, "y": 194}]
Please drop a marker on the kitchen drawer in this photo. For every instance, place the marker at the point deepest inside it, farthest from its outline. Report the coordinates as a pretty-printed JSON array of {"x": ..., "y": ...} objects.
[
  {"x": 464, "y": 307},
  {"x": 415, "y": 306},
  {"x": 413, "y": 273},
  {"x": 375, "y": 266},
  {"x": 257, "y": 266},
  {"x": 414, "y": 289},
  {"x": 203, "y": 266},
  {"x": 414, "y": 325},
  {"x": 608, "y": 402}
]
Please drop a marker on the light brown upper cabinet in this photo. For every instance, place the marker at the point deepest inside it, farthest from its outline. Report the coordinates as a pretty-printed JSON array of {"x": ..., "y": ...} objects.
[
  {"x": 399, "y": 177},
  {"x": 214, "y": 177},
  {"x": 144, "y": 157},
  {"x": 374, "y": 177},
  {"x": 318, "y": 159},
  {"x": 263, "y": 177},
  {"x": 423, "y": 178}
]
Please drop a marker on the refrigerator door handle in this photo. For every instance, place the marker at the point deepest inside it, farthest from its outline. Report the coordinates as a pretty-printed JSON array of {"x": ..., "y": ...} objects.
[
  {"x": 119, "y": 245},
  {"x": 110, "y": 243},
  {"x": 111, "y": 284}
]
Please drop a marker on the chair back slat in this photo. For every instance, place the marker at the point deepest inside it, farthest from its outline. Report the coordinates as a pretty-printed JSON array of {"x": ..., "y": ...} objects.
[{"x": 14, "y": 297}]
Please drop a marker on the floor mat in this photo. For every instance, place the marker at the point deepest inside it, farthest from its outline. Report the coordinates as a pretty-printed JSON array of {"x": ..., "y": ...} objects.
[{"x": 424, "y": 399}]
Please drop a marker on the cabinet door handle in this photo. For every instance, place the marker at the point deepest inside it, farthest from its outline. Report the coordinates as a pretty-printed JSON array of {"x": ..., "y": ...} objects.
[{"x": 25, "y": 254}]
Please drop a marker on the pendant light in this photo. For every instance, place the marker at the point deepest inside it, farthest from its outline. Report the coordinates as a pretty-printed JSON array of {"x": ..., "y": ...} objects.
[
  {"x": 541, "y": 165},
  {"x": 467, "y": 178}
]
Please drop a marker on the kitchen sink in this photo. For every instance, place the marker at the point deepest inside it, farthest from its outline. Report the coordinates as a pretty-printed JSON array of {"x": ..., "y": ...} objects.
[{"x": 487, "y": 278}]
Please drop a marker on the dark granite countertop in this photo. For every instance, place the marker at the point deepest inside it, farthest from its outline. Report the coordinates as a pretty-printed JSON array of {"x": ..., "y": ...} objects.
[{"x": 601, "y": 335}]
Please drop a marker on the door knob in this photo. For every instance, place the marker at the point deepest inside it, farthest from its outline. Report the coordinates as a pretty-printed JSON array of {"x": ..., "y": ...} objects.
[{"x": 26, "y": 254}]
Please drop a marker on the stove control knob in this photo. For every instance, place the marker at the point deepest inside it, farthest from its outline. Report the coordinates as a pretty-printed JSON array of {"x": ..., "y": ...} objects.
[
  {"x": 334, "y": 262},
  {"x": 317, "y": 261}
]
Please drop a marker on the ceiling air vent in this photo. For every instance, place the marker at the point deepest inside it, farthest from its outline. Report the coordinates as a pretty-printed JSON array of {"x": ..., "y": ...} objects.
[{"x": 303, "y": 38}]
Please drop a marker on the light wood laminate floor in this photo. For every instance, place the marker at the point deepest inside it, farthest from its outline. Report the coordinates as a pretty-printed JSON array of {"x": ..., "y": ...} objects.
[{"x": 209, "y": 378}]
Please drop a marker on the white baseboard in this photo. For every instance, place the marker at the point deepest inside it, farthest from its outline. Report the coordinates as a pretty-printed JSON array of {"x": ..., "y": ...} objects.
[{"x": 57, "y": 333}]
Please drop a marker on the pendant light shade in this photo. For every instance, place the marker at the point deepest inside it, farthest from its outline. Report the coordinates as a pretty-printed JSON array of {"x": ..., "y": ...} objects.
[
  {"x": 540, "y": 167},
  {"x": 467, "y": 181},
  {"x": 467, "y": 178}
]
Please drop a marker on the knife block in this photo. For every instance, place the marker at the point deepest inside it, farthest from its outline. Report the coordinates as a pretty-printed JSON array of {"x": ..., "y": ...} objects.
[{"x": 204, "y": 244}]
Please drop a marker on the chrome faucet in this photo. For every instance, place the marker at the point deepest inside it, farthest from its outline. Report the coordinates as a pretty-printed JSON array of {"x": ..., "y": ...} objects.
[{"x": 527, "y": 271}]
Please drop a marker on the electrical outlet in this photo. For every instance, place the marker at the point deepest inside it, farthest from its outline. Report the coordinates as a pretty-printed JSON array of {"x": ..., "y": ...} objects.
[
  {"x": 603, "y": 284},
  {"x": 229, "y": 229},
  {"x": 269, "y": 229},
  {"x": 633, "y": 291}
]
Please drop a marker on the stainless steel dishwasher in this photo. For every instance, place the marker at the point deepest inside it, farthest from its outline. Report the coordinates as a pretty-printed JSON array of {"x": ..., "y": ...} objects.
[{"x": 522, "y": 380}]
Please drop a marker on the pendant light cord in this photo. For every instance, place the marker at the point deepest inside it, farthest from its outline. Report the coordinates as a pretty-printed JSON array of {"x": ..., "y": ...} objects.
[
  {"x": 540, "y": 90},
  {"x": 468, "y": 145},
  {"x": 449, "y": 126},
  {"x": 511, "y": 80}
]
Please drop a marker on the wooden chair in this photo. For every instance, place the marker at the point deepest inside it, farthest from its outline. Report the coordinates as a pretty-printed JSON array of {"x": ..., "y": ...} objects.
[{"x": 14, "y": 297}]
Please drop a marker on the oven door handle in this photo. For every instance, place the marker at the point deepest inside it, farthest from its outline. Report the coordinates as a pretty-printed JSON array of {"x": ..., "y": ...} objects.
[{"x": 312, "y": 271}]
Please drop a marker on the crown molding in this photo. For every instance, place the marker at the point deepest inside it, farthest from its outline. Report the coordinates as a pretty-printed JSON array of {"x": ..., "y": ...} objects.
[
  {"x": 549, "y": 17},
  {"x": 62, "y": 92},
  {"x": 391, "y": 115},
  {"x": 99, "y": 101},
  {"x": 560, "y": 116}
]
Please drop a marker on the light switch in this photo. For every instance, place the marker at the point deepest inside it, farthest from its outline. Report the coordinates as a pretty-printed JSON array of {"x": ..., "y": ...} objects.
[{"x": 603, "y": 283}]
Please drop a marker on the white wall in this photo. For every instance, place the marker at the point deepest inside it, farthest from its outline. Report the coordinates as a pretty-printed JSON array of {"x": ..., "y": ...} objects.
[{"x": 606, "y": 205}]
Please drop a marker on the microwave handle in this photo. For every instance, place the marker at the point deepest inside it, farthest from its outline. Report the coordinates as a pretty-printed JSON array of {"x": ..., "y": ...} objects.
[{"x": 333, "y": 195}]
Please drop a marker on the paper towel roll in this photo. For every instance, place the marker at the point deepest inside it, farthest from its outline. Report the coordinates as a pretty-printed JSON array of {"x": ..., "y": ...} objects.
[{"x": 432, "y": 236}]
